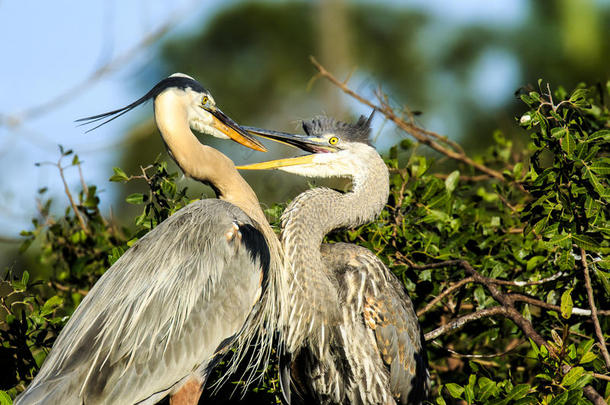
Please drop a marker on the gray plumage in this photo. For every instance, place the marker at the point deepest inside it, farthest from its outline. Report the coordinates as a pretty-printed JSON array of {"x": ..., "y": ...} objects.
[
  {"x": 160, "y": 313},
  {"x": 351, "y": 329},
  {"x": 206, "y": 278}
]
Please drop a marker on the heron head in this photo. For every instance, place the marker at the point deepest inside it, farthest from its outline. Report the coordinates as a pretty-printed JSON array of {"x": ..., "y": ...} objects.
[
  {"x": 335, "y": 148},
  {"x": 179, "y": 96}
]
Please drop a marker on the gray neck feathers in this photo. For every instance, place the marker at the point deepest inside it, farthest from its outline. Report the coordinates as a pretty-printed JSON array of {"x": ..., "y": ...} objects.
[{"x": 313, "y": 214}]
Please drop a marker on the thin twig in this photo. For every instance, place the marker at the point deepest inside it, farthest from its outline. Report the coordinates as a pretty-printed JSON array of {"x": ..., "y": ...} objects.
[
  {"x": 463, "y": 320},
  {"x": 601, "y": 376},
  {"x": 509, "y": 310},
  {"x": 468, "y": 179},
  {"x": 422, "y": 135},
  {"x": 594, "y": 396},
  {"x": 598, "y": 329},
  {"x": 444, "y": 294},
  {"x": 82, "y": 180},
  {"x": 81, "y": 221},
  {"x": 497, "y": 281},
  {"x": 546, "y": 305},
  {"x": 64, "y": 288},
  {"x": 511, "y": 346}
]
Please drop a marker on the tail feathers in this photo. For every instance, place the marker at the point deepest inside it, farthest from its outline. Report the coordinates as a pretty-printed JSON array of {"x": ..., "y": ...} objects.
[
  {"x": 59, "y": 391},
  {"x": 285, "y": 380}
]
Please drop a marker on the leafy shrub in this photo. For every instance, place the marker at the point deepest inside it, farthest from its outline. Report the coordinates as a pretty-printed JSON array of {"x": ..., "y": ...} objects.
[{"x": 503, "y": 266}]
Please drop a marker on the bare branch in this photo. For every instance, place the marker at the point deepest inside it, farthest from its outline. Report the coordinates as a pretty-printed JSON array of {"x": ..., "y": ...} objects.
[
  {"x": 468, "y": 179},
  {"x": 463, "y": 320},
  {"x": 64, "y": 288},
  {"x": 546, "y": 305},
  {"x": 509, "y": 310},
  {"x": 444, "y": 294},
  {"x": 601, "y": 376},
  {"x": 598, "y": 329},
  {"x": 511, "y": 346},
  {"x": 594, "y": 396},
  {"x": 422, "y": 135},
  {"x": 81, "y": 221}
]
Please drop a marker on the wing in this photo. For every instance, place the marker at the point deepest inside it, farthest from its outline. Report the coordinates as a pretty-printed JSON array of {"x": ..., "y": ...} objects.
[
  {"x": 160, "y": 313},
  {"x": 377, "y": 300}
]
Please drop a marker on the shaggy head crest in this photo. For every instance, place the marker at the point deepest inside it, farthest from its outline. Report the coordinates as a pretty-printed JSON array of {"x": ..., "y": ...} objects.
[{"x": 358, "y": 132}]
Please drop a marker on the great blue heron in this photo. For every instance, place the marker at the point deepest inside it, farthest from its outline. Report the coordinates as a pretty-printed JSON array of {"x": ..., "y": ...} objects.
[
  {"x": 157, "y": 320},
  {"x": 351, "y": 328}
]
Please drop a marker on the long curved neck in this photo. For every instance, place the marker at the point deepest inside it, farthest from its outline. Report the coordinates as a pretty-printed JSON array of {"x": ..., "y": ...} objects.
[
  {"x": 305, "y": 222},
  {"x": 210, "y": 166},
  {"x": 202, "y": 162}
]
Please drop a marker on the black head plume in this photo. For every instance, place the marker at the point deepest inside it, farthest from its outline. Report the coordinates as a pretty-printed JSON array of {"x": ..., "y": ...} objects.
[
  {"x": 358, "y": 132},
  {"x": 174, "y": 81}
]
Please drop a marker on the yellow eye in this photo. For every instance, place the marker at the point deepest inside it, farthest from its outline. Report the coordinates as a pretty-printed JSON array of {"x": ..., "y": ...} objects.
[
  {"x": 333, "y": 140},
  {"x": 204, "y": 100}
]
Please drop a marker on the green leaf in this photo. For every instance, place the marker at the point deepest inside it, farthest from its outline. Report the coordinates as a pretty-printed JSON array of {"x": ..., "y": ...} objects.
[
  {"x": 559, "y": 132},
  {"x": 50, "y": 305},
  {"x": 533, "y": 262},
  {"x": 487, "y": 388},
  {"x": 560, "y": 399},
  {"x": 568, "y": 144},
  {"x": 588, "y": 357},
  {"x": 601, "y": 166},
  {"x": 25, "y": 278},
  {"x": 544, "y": 377},
  {"x": 604, "y": 278},
  {"x": 135, "y": 198},
  {"x": 452, "y": 180},
  {"x": 572, "y": 376},
  {"x": 534, "y": 96},
  {"x": 468, "y": 394},
  {"x": 585, "y": 242},
  {"x": 440, "y": 400},
  {"x": 556, "y": 338},
  {"x": 518, "y": 391},
  {"x": 579, "y": 96},
  {"x": 5, "y": 399},
  {"x": 599, "y": 188},
  {"x": 119, "y": 175},
  {"x": 566, "y": 304},
  {"x": 455, "y": 390},
  {"x": 603, "y": 134}
]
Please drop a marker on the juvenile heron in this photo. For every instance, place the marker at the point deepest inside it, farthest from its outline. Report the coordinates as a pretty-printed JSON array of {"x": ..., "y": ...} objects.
[
  {"x": 350, "y": 328},
  {"x": 158, "y": 319}
]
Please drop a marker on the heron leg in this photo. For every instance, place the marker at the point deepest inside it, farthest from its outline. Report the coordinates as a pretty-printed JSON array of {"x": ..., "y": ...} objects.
[{"x": 188, "y": 394}]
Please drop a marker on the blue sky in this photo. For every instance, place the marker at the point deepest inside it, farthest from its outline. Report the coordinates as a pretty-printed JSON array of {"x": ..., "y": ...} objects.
[{"x": 49, "y": 47}]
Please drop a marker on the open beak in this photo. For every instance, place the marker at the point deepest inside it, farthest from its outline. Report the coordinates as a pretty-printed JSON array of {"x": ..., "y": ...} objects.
[
  {"x": 311, "y": 144},
  {"x": 230, "y": 128}
]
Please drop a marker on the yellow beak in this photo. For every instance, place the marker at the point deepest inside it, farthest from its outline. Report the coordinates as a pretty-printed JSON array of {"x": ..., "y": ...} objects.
[
  {"x": 274, "y": 164},
  {"x": 230, "y": 128}
]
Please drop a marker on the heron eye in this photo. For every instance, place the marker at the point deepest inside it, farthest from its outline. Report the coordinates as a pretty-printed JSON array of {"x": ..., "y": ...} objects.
[
  {"x": 204, "y": 100},
  {"x": 333, "y": 140}
]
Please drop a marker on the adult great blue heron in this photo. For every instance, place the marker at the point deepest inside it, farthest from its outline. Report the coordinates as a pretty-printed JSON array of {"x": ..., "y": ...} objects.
[
  {"x": 158, "y": 318},
  {"x": 351, "y": 328}
]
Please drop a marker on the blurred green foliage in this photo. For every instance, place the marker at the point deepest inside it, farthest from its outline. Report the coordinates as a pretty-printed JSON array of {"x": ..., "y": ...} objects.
[{"x": 526, "y": 231}]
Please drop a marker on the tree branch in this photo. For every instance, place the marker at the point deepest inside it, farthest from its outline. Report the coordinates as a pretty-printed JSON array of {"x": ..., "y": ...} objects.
[
  {"x": 546, "y": 305},
  {"x": 598, "y": 329},
  {"x": 463, "y": 320},
  {"x": 444, "y": 294},
  {"x": 509, "y": 310},
  {"x": 422, "y": 135},
  {"x": 81, "y": 221}
]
